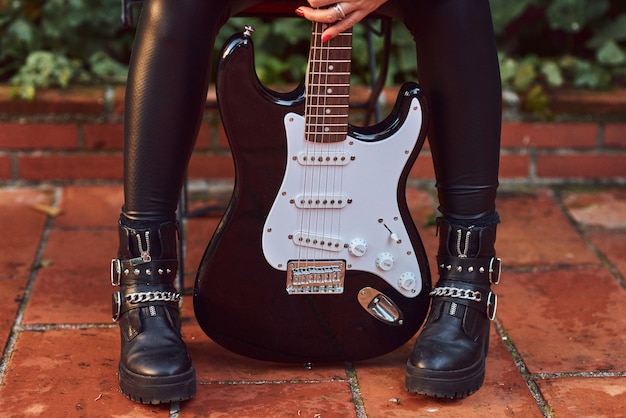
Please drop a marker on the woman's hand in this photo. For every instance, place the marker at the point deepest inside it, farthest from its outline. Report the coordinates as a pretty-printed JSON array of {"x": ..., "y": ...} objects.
[{"x": 341, "y": 15}]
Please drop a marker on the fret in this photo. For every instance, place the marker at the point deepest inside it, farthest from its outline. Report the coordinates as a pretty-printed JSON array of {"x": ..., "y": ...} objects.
[
  {"x": 324, "y": 127},
  {"x": 327, "y": 59},
  {"x": 330, "y": 72},
  {"x": 338, "y": 119},
  {"x": 328, "y": 88},
  {"x": 331, "y": 68},
  {"x": 322, "y": 115},
  {"x": 341, "y": 50},
  {"x": 326, "y": 93},
  {"x": 320, "y": 136},
  {"x": 325, "y": 132},
  {"x": 331, "y": 96},
  {"x": 328, "y": 107}
]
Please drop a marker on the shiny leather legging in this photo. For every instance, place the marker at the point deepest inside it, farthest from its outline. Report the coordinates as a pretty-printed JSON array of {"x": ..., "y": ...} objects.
[{"x": 168, "y": 80}]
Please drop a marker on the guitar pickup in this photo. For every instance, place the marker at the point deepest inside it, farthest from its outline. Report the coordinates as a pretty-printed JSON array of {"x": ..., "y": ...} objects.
[
  {"x": 316, "y": 241},
  {"x": 321, "y": 202},
  {"x": 324, "y": 158}
]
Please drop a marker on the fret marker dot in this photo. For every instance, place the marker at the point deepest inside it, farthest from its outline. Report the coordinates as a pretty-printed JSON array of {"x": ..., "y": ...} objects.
[
  {"x": 329, "y": 91},
  {"x": 327, "y": 111},
  {"x": 331, "y": 67}
]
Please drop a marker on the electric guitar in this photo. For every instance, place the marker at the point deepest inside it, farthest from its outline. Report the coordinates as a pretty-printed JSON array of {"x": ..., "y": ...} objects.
[{"x": 316, "y": 258}]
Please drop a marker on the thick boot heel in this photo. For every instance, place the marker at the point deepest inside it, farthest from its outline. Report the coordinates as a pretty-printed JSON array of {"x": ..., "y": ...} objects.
[
  {"x": 454, "y": 384},
  {"x": 157, "y": 389}
]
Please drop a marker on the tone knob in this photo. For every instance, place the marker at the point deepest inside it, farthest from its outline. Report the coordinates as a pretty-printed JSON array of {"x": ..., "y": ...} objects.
[
  {"x": 407, "y": 281},
  {"x": 384, "y": 261},
  {"x": 357, "y": 247}
]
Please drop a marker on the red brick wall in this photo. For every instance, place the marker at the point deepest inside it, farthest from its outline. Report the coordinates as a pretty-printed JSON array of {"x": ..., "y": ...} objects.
[{"x": 77, "y": 136}]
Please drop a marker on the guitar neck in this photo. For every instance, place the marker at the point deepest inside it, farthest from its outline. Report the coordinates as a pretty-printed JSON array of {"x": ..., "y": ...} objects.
[{"x": 328, "y": 86}]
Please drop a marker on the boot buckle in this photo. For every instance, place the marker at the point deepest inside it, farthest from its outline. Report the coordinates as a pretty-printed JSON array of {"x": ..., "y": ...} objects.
[
  {"x": 492, "y": 306},
  {"x": 116, "y": 306},
  {"x": 495, "y": 267},
  {"x": 116, "y": 272}
]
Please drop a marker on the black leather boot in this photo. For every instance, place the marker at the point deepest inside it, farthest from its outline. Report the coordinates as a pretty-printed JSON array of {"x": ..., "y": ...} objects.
[
  {"x": 448, "y": 359},
  {"x": 154, "y": 365}
]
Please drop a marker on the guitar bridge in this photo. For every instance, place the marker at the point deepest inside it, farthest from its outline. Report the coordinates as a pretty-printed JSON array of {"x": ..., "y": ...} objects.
[{"x": 315, "y": 276}]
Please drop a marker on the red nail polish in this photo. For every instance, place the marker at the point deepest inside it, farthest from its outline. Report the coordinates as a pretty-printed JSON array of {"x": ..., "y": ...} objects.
[
  {"x": 299, "y": 12},
  {"x": 325, "y": 38}
]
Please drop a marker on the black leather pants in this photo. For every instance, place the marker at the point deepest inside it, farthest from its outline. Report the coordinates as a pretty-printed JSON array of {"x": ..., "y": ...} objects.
[{"x": 168, "y": 80}]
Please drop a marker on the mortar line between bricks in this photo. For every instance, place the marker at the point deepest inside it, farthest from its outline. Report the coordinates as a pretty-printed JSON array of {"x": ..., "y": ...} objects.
[
  {"x": 605, "y": 262},
  {"x": 17, "y": 324},
  {"x": 53, "y": 327},
  {"x": 271, "y": 382},
  {"x": 562, "y": 375},
  {"x": 528, "y": 377},
  {"x": 357, "y": 398}
]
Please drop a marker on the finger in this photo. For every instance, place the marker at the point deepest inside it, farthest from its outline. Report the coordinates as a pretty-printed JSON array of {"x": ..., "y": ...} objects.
[
  {"x": 325, "y": 15},
  {"x": 342, "y": 25}
]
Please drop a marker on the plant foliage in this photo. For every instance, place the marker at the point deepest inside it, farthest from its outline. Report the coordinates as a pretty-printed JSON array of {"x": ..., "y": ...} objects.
[
  {"x": 53, "y": 43},
  {"x": 543, "y": 44}
]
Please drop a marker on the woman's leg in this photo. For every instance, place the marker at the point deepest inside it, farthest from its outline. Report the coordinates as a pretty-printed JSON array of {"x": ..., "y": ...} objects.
[
  {"x": 165, "y": 98},
  {"x": 458, "y": 71}
]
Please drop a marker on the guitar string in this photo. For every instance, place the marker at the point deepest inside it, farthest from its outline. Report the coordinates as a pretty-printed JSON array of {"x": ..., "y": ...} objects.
[
  {"x": 309, "y": 139},
  {"x": 318, "y": 145},
  {"x": 317, "y": 177},
  {"x": 331, "y": 89},
  {"x": 325, "y": 133},
  {"x": 344, "y": 67},
  {"x": 336, "y": 80}
]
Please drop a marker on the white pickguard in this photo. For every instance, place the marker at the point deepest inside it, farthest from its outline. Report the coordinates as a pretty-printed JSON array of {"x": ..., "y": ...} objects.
[{"x": 348, "y": 201}]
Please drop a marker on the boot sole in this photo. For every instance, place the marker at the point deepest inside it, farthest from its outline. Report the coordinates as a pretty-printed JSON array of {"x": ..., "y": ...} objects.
[
  {"x": 156, "y": 390},
  {"x": 455, "y": 384}
]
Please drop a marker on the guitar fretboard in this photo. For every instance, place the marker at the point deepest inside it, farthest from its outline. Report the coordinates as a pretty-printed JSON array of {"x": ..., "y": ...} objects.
[{"x": 328, "y": 87}]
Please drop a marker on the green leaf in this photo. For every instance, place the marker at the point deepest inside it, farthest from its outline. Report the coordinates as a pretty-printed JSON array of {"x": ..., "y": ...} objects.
[
  {"x": 610, "y": 54},
  {"x": 614, "y": 30},
  {"x": 572, "y": 15},
  {"x": 536, "y": 100},
  {"x": 591, "y": 76},
  {"x": 525, "y": 75},
  {"x": 552, "y": 73},
  {"x": 508, "y": 67},
  {"x": 44, "y": 69},
  {"x": 20, "y": 37},
  {"x": 103, "y": 66}
]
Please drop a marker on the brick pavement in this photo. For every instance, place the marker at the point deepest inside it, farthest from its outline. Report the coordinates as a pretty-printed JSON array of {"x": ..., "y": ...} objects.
[{"x": 557, "y": 348}]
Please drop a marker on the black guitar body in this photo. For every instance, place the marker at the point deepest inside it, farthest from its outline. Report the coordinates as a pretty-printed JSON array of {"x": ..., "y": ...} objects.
[{"x": 240, "y": 300}]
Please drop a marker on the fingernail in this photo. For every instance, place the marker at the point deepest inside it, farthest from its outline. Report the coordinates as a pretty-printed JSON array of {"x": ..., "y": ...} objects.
[
  {"x": 299, "y": 11},
  {"x": 326, "y": 37}
]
